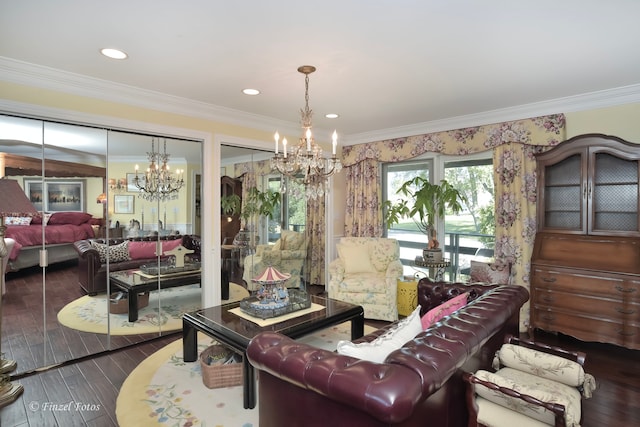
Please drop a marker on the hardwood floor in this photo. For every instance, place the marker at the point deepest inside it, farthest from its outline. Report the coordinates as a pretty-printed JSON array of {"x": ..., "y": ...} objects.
[{"x": 94, "y": 382}]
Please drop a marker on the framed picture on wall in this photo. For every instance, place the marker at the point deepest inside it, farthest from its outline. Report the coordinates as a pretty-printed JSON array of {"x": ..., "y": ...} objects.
[
  {"x": 56, "y": 195},
  {"x": 123, "y": 204},
  {"x": 131, "y": 183}
]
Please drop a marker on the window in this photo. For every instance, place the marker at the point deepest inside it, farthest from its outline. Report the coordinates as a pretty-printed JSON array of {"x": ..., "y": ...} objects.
[
  {"x": 471, "y": 231},
  {"x": 292, "y": 212}
]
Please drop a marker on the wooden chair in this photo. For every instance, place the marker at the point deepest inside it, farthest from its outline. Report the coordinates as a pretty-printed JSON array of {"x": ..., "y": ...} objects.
[{"x": 534, "y": 385}]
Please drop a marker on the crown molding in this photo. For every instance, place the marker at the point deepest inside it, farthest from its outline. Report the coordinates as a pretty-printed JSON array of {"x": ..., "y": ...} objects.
[
  {"x": 587, "y": 101},
  {"x": 25, "y": 73},
  {"x": 20, "y": 72}
]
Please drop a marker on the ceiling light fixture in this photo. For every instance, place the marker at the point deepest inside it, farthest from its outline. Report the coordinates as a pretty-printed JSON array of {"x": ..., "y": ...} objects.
[
  {"x": 331, "y": 116},
  {"x": 251, "y": 92},
  {"x": 158, "y": 182},
  {"x": 305, "y": 162},
  {"x": 114, "y": 53}
]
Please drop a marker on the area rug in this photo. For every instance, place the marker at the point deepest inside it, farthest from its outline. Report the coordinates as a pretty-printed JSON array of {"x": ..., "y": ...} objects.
[
  {"x": 89, "y": 314},
  {"x": 164, "y": 390}
]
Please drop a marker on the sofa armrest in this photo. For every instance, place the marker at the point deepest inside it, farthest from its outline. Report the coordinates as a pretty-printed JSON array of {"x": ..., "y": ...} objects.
[
  {"x": 336, "y": 269},
  {"x": 394, "y": 270},
  {"x": 87, "y": 252},
  {"x": 388, "y": 392}
]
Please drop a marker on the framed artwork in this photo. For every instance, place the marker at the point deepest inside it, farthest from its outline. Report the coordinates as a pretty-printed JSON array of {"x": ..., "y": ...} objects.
[
  {"x": 56, "y": 195},
  {"x": 123, "y": 204},
  {"x": 131, "y": 185}
]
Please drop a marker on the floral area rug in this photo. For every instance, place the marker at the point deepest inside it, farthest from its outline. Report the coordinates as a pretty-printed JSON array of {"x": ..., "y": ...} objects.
[
  {"x": 164, "y": 312},
  {"x": 164, "y": 390}
]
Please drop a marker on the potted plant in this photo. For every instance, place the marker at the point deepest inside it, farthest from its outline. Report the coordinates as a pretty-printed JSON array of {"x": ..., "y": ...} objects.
[
  {"x": 428, "y": 203},
  {"x": 257, "y": 203},
  {"x": 230, "y": 204}
]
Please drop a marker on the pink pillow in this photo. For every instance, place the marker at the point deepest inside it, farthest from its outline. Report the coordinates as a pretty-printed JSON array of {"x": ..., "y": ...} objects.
[
  {"x": 74, "y": 218},
  {"x": 444, "y": 309},
  {"x": 146, "y": 250}
]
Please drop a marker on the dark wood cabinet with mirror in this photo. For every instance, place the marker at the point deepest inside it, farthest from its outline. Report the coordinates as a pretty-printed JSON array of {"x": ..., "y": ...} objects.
[{"x": 585, "y": 267}]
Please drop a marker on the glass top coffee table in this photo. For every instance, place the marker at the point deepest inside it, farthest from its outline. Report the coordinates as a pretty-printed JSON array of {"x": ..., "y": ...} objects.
[
  {"x": 235, "y": 332},
  {"x": 133, "y": 282}
]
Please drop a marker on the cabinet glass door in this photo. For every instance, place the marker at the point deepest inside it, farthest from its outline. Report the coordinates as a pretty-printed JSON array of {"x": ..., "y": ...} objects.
[
  {"x": 615, "y": 194},
  {"x": 563, "y": 194}
]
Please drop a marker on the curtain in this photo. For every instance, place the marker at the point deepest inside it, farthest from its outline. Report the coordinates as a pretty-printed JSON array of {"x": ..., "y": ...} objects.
[
  {"x": 315, "y": 231},
  {"x": 365, "y": 193},
  {"x": 513, "y": 143}
]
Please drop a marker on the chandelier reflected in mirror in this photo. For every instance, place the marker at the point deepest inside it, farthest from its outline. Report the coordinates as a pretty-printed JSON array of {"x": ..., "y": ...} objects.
[
  {"x": 305, "y": 162},
  {"x": 158, "y": 182}
]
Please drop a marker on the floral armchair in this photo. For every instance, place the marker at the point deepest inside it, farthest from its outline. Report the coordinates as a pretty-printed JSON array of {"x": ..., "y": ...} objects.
[
  {"x": 366, "y": 273},
  {"x": 287, "y": 255}
]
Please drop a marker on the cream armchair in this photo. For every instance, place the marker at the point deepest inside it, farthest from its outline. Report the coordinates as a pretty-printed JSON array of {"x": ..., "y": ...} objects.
[
  {"x": 287, "y": 255},
  {"x": 366, "y": 273}
]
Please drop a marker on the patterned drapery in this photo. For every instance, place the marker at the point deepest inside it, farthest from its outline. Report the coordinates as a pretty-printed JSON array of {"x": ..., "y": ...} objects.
[{"x": 513, "y": 143}]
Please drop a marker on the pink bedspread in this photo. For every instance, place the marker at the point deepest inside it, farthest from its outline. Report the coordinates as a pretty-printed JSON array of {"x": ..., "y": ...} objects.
[{"x": 31, "y": 235}]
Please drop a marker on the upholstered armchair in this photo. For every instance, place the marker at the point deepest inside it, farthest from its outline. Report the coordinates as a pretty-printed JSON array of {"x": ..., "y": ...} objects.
[
  {"x": 287, "y": 255},
  {"x": 366, "y": 273}
]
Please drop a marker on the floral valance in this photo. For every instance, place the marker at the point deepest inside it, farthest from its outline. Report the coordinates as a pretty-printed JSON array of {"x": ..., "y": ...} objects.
[{"x": 543, "y": 130}]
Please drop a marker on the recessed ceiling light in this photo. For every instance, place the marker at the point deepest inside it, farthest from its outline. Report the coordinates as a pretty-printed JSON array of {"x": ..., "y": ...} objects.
[
  {"x": 113, "y": 53},
  {"x": 331, "y": 116},
  {"x": 251, "y": 91}
]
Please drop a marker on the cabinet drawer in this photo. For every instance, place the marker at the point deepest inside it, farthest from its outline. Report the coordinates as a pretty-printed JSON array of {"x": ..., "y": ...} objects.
[
  {"x": 597, "y": 307},
  {"x": 574, "y": 282},
  {"x": 585, "y": 328}
]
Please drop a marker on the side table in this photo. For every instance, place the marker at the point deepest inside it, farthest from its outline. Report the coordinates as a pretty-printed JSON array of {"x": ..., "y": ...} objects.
[{"x": 436, "y": 269}]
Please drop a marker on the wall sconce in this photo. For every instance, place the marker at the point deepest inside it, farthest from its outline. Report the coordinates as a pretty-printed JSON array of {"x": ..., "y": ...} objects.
[
  {"x": 117, "y": 184},
  {"x": 102, "y": 198}
]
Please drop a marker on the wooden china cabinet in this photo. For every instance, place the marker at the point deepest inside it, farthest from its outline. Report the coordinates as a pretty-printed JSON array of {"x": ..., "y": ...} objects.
[{"x": 585, "y": 267}]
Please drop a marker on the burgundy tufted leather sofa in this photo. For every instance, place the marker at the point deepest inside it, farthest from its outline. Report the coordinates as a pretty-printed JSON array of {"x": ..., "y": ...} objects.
[
  {"x": 92, "y": 274},
  {"x": 419, "y": 385}
]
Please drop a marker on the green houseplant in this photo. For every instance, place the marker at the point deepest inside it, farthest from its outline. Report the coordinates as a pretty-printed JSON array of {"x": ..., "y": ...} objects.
[
  {"x": 230, "y": 204},
  {"x": 424, "y": 202},
  {"x": 257, "y": 204}
]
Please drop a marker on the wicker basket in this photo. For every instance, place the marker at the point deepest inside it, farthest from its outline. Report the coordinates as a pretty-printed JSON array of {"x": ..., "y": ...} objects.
[{"x": 218, "y": 374}]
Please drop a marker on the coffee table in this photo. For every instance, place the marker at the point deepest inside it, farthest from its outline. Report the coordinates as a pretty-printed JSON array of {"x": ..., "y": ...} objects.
[
  {"x": 134, "y": 283},
  {"x": 235, "y": 332}
]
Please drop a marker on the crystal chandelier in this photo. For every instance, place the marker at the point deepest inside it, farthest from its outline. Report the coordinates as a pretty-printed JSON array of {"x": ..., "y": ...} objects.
[
  {"x": 158, "y": 182},
  {"x": 305, "y": 162}
]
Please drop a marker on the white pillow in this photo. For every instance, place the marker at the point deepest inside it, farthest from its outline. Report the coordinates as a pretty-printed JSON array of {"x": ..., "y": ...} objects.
[
  {"x": 378, "y": 349},
  {"x": 355, "y": 258}
]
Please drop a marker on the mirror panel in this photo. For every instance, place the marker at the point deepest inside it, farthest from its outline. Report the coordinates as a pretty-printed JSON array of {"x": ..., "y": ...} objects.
[{"x": 75, "y": 170}]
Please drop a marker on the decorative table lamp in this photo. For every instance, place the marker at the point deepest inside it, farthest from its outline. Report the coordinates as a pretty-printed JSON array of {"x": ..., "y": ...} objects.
[{"x": 13, "y": 203}]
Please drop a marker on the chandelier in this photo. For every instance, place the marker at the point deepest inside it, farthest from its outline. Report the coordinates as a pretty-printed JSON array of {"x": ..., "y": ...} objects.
[
  {"x": 158, "y": 182},
  {"x": 305, "y": 162}
]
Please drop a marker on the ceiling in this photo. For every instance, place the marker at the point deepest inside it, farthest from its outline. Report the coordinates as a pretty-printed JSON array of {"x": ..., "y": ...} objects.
[{"x": 388, "y": 68}]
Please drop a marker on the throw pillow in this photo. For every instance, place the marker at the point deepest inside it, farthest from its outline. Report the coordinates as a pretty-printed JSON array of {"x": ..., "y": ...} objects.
[
  {"x": 17, "y": 220},
  {"x": 378, "y": 349},
  {"x": 355, "y": 258},
  {"x": 74, "y": 218},
  {"x": 382, "y": 252},
  {"x": 444, "y": 309},
  {"x": 116, "y": 253},
  {"x": 489, "y": 272},
  {"x": 147, "y": 249},
  {"x": 291, "y": 240}
]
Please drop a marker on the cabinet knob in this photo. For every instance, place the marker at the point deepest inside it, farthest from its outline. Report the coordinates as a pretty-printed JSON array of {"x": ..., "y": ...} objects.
[
  {"x": 626, "y": 334},
  {"x": 549, "y": 279},
  {"x": 548, "y": 317},
  {"x": 625, "y": 290},
  {"x": 547, "y": 298},
  {"x": 623, "y": 311}
]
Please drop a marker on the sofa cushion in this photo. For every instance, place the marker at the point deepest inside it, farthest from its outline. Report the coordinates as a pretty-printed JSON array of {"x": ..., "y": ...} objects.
[
  {"x": 378, "y": 349},
  {"x": 444, "y": 309},
  {"x": 117, "y": 253},
  {"x": 147, "y": 249},
  {"x": 355, "y": 258}
]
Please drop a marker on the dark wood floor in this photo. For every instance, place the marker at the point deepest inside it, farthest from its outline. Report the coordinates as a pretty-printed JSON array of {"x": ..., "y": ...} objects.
[{"x": 94, "y": 382}]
